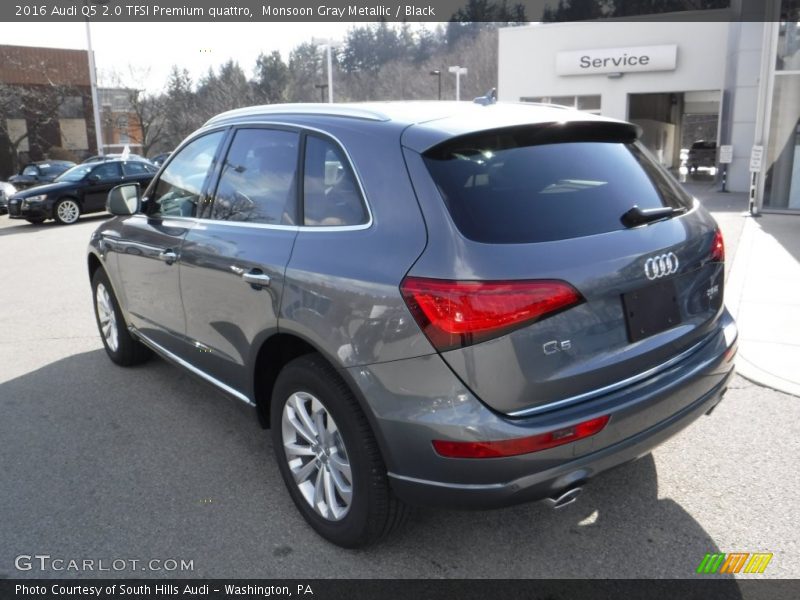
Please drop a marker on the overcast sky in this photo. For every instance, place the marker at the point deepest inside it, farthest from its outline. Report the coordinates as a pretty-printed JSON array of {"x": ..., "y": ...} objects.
[{"x": 157, "y": 46}]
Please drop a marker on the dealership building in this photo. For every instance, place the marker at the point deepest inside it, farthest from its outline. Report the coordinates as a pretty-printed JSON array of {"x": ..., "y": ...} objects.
[{"x": 682, "y": 77}]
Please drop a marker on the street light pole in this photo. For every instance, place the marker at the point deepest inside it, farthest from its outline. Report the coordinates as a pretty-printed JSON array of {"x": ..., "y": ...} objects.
[
  {"x": 330, "y": 75},
  {"x": 459, "y": 71},
  {"x": 438, "y": 74},
  {"x": 328, "y": 46}
]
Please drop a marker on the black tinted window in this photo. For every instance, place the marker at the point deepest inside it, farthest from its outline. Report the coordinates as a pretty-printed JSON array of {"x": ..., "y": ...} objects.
[
  {"x": 178, "y": 189},
  {"x": 258, "y": 179},
  {"x": 501, "y": 191},
  {"x": 106, "y": 171},
  {"x": 330, "y": 193},
  {"x": 138, "y": 168}
]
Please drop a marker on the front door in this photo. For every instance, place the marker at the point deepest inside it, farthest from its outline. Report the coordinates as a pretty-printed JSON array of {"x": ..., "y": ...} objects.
[{"x": 149, "y": 248}]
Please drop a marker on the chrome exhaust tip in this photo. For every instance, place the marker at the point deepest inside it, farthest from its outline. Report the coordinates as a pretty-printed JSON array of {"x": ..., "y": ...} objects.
[{"x": 563, "y": 499}]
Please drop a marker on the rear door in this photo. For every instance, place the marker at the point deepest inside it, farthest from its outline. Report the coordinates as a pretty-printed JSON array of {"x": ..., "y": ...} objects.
[
  {"x": 140, "y": 172},
  {"x": 234, "y": 260},
  {"x": 539, "y": 215}
]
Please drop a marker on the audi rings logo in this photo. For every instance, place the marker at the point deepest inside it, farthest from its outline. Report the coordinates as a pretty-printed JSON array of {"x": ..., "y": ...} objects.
[{"x": 661, "y": 266}]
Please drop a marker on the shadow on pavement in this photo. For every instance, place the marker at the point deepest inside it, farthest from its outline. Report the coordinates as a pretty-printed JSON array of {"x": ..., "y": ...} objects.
[
  {"x": 19, "y": 226},
  {"x": 105, "y": 462}
]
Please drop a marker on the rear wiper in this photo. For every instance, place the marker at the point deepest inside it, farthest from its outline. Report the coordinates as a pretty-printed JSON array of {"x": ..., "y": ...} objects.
[{"x": 636, "y": 216}]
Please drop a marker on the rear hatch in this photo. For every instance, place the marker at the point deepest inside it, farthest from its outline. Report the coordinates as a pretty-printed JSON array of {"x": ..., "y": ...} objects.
[{"x": 563, "y": 262}]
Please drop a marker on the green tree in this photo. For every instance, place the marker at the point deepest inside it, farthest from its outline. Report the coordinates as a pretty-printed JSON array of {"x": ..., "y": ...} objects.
[
  {"x": 180, "y": 107},
  {"x": 272, "y": 79},
  {"x": 305, "y": 70}
]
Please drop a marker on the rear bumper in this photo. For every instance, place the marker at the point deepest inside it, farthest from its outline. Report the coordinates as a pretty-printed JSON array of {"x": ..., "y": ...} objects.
[
  {"x": 418, "y": 400},
  {"x": 552, "y": 482}
]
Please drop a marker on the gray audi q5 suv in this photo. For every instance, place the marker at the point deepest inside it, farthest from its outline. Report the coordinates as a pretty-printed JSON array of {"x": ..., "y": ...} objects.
[{"x": 441, "y": 303}]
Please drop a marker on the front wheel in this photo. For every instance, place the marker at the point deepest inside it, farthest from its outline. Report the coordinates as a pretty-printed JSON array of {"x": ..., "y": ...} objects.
[
  {"x": 67, "y": 211},
  {"x": 120, "y": 345},
  {"x": 328, "y": 456}
]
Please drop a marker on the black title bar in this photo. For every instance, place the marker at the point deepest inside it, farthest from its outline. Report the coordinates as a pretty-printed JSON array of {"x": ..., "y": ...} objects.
[
  {"x": 721, "y": 588},
  {"x": 374, "y": 10}
]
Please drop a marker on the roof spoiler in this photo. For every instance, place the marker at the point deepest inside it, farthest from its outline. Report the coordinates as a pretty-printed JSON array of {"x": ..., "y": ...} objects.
[{"x": 539, "y": 134}]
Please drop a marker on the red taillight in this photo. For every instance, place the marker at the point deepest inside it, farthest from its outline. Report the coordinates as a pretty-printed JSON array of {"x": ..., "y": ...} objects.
[
  {"x": 718, "y": 247},
  {"x": 459, "y": 313},
  {"x": 517, "y": 446}
]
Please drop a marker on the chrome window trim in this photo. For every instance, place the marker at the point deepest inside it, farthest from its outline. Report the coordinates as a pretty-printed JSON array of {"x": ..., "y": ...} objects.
[
  {"x": 189, "y": 366},
  {"x": 300, "y": 128},
  {"x": 298, "y": 228},
  {"x": 611, "y": 387}
]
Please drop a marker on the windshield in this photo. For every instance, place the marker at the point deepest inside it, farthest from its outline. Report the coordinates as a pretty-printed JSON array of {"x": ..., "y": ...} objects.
[{"x": 76, "y": 173}]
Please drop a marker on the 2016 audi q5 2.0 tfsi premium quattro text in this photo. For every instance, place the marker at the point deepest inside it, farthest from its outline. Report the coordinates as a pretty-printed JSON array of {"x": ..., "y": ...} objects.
[{"x": 443, "y": 304}]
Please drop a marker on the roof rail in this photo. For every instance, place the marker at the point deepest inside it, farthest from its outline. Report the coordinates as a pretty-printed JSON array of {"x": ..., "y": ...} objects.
[{"x": 350, "y": 111}]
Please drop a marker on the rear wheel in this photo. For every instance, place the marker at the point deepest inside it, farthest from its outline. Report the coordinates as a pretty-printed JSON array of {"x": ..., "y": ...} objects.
[
  {"x": 35, "y": 220},
  {"x": 67, "y": 211},
  {"x": 120, "y": 345},
  {"x": 329, "y": 458}
]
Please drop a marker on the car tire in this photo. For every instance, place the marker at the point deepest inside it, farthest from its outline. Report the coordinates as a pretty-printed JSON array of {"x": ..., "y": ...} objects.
[
  {"x": 36, "y": 220},
  {"x": 316, "y": 474},
  {"x": 67, "y": 211},
  {"x": 120, "y": 345}
]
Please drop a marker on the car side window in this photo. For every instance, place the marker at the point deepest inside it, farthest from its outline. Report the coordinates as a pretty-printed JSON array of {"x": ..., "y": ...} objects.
[
  {"x": 331, "y": 196},
  {"x": 137, "y": 168},
  {"x": 177, "y": 192},
  {"x": 258, "y": 180},
  {"x": 106, "y": 171},
  {"x": 31, "y": 170}
]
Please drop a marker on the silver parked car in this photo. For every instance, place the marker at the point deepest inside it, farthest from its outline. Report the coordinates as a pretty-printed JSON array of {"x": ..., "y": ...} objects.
[{"x": 440, "y": 303}]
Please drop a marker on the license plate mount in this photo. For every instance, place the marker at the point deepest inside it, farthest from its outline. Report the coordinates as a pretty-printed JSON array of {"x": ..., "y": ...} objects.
[{"x": 651, "y": 310}]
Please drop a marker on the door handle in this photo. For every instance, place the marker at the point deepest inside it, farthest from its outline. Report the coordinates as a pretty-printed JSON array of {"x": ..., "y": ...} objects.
[
  {"x": 256, "y": 278},
  {"x": 168, "y": 256}
]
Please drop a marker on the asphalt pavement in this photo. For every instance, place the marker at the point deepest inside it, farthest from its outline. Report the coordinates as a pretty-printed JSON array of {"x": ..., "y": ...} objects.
[{"x": 98, "y": 463}]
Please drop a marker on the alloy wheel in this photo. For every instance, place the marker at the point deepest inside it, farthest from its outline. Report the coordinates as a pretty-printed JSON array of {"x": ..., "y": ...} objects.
[
  {"x": 68, "y": 211},
  {"x": 107, "y": 317},
  {"x": 317, "y": 456}
]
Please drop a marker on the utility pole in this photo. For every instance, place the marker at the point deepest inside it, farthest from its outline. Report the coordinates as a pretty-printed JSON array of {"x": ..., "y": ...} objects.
[{"x": 438, "y": 74}]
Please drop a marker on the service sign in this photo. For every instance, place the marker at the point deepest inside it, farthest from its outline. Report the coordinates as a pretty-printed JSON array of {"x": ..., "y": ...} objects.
[{"x": 617, "y": 60}]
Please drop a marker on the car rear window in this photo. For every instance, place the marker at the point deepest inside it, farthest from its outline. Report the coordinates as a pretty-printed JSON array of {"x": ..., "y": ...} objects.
[{"x": 502, "y": 188}]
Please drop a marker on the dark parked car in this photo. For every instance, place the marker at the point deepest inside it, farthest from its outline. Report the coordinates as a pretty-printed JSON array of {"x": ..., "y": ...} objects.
[
  {"x": 39, "y": 172},
  {"x": 431, "y": 303},
  {"x": 159, "y": 159},
  {"x": 81, "y": 189},
  {"x": 702, "y": 154}
]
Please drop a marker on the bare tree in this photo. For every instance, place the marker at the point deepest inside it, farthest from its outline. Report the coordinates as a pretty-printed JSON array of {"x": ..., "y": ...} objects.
[
  {"x": 38, "y": 106},
  {"x": 145, "y": 104}
]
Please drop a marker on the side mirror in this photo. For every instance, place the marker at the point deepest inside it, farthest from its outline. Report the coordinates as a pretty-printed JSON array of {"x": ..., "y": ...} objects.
[
  {"x": 94, "y": 178},
  {"x": 124, "y": 200}
]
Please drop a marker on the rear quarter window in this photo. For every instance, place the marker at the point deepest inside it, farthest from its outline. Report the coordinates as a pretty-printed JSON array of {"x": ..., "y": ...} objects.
[{"x": 501, "y": 189}]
